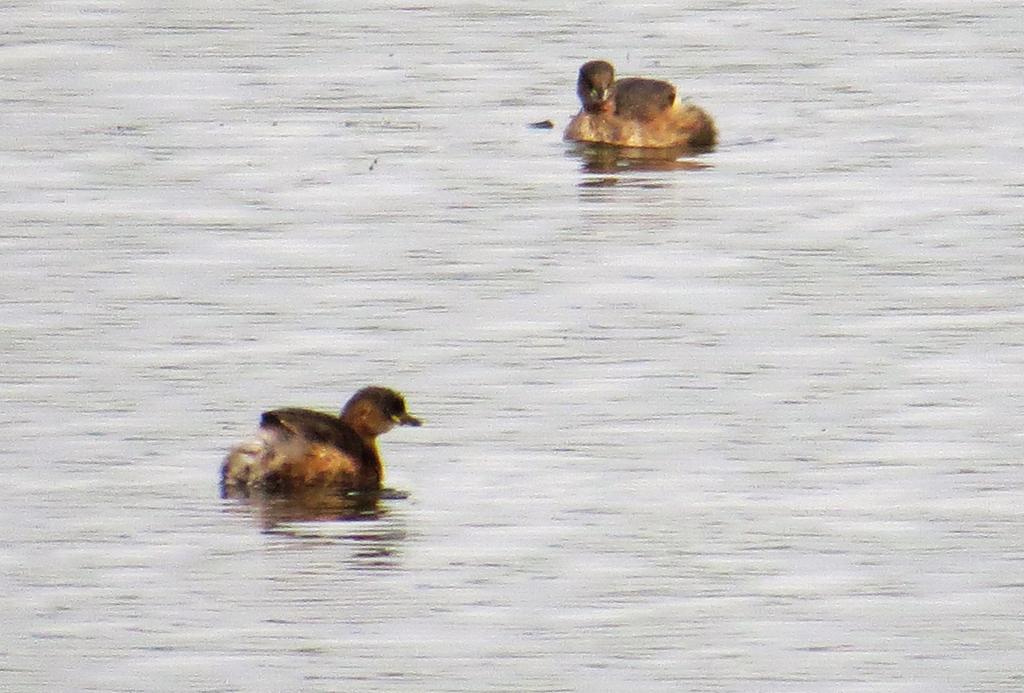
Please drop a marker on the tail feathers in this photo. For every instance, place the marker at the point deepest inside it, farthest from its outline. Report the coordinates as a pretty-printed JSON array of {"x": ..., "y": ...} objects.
[
  {"x": 245, "y": 466},
  {"x": 698, "y": 126}
]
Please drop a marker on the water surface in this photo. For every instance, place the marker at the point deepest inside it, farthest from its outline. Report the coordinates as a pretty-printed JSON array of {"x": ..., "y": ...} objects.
[{"x": 745, "y": 422}]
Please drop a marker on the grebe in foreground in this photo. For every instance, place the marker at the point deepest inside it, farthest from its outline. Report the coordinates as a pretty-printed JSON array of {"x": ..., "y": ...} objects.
[
  {"x": 635, "y": 112},
  {"x": 301, "y": 449}
]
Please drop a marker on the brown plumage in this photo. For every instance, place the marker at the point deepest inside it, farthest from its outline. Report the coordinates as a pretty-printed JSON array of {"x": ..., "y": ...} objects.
[
  {"x": 635, "y": 112},
  {"x": 298, "y": 449}
]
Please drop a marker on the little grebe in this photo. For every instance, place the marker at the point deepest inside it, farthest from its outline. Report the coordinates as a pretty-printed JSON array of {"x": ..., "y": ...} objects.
[
  {"x": 635, "y": 112},
  {"x": 298, "y": 449}
]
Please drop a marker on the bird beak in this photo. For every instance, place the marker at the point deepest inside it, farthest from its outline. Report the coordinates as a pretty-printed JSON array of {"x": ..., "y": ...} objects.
[{"x": 406, "y": 420}]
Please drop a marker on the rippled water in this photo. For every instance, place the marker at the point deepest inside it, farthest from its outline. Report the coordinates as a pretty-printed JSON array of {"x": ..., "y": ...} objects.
[{"x": 750, "y": 421}]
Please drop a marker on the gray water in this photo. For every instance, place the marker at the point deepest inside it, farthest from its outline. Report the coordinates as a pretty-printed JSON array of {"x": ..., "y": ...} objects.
[{"x": 750, "y": 422}]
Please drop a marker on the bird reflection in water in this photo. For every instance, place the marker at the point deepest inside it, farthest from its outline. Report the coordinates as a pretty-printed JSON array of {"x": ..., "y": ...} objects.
[
  {"x": 610, "y": 159},
  {"x": 362, "y": 521}
]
